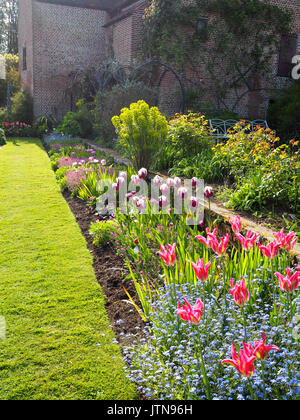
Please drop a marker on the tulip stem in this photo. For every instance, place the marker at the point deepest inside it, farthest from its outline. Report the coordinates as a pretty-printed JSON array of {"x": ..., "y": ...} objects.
[
  {"x": 251, "y": 389},
  {"x": 245, "y": 322},
  {"x": 263, "y": 378},
  {"x": 205, "y": 380}
]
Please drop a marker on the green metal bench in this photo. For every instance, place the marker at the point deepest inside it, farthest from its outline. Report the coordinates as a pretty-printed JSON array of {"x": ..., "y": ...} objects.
[{"x": 219, "y": 128}]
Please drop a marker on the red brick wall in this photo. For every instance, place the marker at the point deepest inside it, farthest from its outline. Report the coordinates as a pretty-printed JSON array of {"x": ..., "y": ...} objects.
[
  {"x": 60, "y": 39},
  {"x": 64, "y": 39},
  {"x": 26, "y": 41},
  {"x": 126, "y": 33}
]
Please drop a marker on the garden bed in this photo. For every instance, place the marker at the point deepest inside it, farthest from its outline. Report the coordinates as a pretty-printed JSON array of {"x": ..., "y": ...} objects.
[
  {"x": 110, "y": 273},
  {"x": 234, "y": 275}
]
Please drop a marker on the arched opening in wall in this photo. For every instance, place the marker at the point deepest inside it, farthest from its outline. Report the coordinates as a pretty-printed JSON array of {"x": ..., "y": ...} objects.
[
  {"x": 169, "y": 84},
  {"x": 169, "y": 96}
]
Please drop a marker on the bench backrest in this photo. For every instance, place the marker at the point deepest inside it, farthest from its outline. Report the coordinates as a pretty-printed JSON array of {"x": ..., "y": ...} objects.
[{"x": 219, "y": 128}]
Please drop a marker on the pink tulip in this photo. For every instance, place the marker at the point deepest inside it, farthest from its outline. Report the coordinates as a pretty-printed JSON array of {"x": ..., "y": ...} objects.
[
  {"x": 194, "y": 182},
  {"x": 135, "y": 179},
  {"x": 201, "y": 270},
  {"x": 210, "y": 237},
  {"x": 170, "y": 182},
  {"x": 182, "y": 192},
  {"x": 239, "y": 292},
  {"x": 177, "y": 182},
  {"x": 103, "y": 162},
  {"x": 269, "y": 250},
  {"x": 286, "y": 241},
  {"x": 157, "y": 181},
  {"x": 164, "y": 189},
  {"x": 236, "y": 224},
  {"x": 220, "y": 247},
  {"x": 244, "y": 362},
  {"x": 208, "y": 192},
  {"x": 140, "y": 203},
  {"x": 193, "y": 202},
  {"x": 168, "y": 254},
  {"x": 162, "y": 201},
  {"x": 142, "y": 173},
  {"x": 289, "y": 282},
  {"x": 189, "y": 313},
  {"x": 261, "y": 351},
  {"x": 249, "y": 241}
]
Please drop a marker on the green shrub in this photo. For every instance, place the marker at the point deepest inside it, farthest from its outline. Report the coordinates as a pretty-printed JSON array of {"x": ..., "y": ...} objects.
[
  {"x": 2, "y": 137},
  {"x": 11, "y": 78},
  {"x": 102, "y": 232},
  {"x": 188, "y": 136},
  {"x": 22, "y": 107},
  {"x": 262, "y": 174},
  {"x": 142, "y": 131},
  {"x": 284, "y": 113},
  {"x": 79, "y": 123},
  {"x": 44, "y": 124}
]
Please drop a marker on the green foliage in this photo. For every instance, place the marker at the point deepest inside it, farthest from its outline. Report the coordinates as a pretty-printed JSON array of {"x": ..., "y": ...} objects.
[
  {"x": 243, "y": 38},
  {"x": 263, "y": 175},
  {"x": 11, "y": 77},
  {"x": 79, "y": 123},
  {"x": 142, "y": 131},
  {"x": 2, "y": 137},
  {"x": 22, "y": 107},
  {"x": 188, "y": 135},
  {"x": 70, "y": 126},
  {"x": 284, "y": 113},
  {"x": 102, "y": 231},
  {"x": 44, "y": 124}
]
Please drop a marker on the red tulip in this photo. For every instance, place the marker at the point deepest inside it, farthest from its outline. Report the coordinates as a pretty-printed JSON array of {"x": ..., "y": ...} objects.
[
  {"x": 208, "y": 192},
  {"x": 201, "y": 270},
  {"x": 261, "y": 351},
  {"x": 289, "y": 282},
  {"x": 244, "y": 362},
  {"x": 239, "y": 292},
  {"x": 189, "y": 313},
  {"x": 168, "y": 254}
]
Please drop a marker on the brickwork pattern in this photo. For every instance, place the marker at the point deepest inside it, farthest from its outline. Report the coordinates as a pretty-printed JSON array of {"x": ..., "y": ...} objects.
[{"x": 61, "y": 39}]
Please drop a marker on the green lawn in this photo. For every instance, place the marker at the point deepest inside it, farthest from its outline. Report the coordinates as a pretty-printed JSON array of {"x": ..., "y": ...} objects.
[{"x": 58, "y": 342}]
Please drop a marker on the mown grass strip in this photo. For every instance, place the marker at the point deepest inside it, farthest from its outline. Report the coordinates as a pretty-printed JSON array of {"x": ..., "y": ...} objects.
[{"x": 58, "y": 342}]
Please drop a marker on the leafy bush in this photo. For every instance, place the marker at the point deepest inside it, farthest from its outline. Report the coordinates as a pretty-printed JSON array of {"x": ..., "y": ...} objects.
[
  {"x": 2, "y": 137},
  {"x": 110, "y": 102},
  {"x": 284, "y": 113},
  {"x": 263, "y": 175},
  {"x": 11, "y": 78},
  {"x": 102, "y": 232},
  {"x": 142, "y": 131},
  {"x": 44, "y": 124},
  {"x": 79, "y": 123},
  {"x": 22, "y": 107},
  {"x": 187, "y": 137}
]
